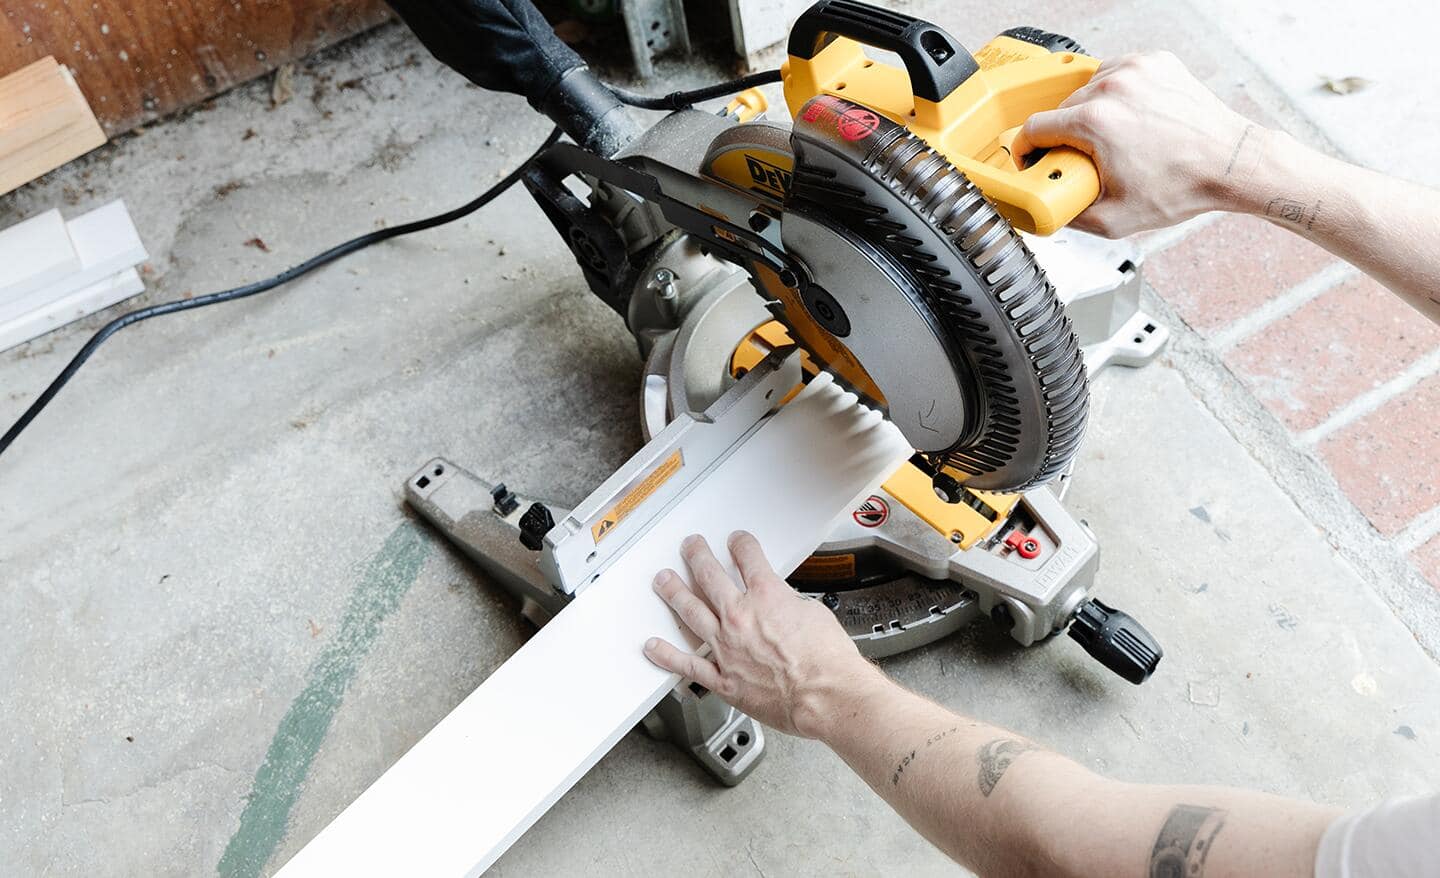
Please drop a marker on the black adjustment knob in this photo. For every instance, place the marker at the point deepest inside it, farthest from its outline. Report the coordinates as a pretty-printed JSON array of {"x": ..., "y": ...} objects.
[
  {"x": 1116, "y": 641},
  {"x": 534, "y": 525}
]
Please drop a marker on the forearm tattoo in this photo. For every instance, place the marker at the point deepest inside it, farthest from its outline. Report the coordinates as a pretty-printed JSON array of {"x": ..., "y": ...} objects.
[
  {"x": 1293, "y": 212},
  {"x": 908, "y": 758},
  {"x": 1185, "y": 841},
  {"x": 995, "y": 757},
  {"x": 1239, "y": 144}
]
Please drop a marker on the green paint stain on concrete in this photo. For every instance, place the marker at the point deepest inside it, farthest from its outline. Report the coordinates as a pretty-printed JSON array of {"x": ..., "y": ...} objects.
[{"x": 266, "y": 817}]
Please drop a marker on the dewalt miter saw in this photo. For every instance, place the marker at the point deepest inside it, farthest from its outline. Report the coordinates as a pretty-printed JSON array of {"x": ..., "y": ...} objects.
[{"x": 877, "y": 237}]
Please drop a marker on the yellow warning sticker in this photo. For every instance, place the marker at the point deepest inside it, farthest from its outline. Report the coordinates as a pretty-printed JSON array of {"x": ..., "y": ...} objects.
[
  {"x": 636, "y": 495},
  {"x": 820, "y": 568}
]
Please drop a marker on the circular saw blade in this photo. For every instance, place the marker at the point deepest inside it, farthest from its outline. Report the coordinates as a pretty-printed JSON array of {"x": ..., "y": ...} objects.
[{"x": 922, "y": 281}]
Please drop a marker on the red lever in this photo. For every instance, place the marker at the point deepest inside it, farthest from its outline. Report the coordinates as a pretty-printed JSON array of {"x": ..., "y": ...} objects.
[{"x": 1027, "y": 546}]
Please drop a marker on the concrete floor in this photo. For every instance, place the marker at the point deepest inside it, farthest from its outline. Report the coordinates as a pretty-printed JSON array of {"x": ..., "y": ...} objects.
[{"x": 220, "y": 624}]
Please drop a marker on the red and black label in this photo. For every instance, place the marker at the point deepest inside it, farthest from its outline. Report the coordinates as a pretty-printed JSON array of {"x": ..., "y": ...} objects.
[
  {"x": 873, "y": 512},
  {"x": 850, "y": 129},
  {"x": 850, "y": 120}
]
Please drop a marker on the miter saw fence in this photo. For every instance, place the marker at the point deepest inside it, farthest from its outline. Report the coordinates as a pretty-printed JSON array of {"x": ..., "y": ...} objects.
[{"x": 879, "y": 230}]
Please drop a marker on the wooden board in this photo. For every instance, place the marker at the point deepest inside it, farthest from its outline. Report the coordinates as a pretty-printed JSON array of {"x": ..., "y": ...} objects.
[
  {"x": 44, "y": 123},
  {"x": 136, "y": 62},
  {"x": 479, "y": 779}
]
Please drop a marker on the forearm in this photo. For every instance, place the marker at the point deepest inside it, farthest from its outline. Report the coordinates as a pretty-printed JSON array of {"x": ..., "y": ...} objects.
[
  {"x": 1167, "y": 149},
  {"x": 1386, "y": 227},
  {"x": 1002, "y": 805},
  {"x": 952, "y": 778}
]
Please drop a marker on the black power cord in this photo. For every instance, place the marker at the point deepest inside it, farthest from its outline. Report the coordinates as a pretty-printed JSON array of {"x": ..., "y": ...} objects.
[
  {"x": 679, "y": 100},
  {"x": 309, "y": 265}
]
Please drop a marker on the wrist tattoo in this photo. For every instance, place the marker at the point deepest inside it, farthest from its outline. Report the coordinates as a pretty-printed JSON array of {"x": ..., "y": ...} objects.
[
  {"x": 1290, "y": 211},
  {"x": 995, "y": 757},
  {"x": 1185, "y": 841},
  {"x": 908, "y": 758},
  {"x": 1239, "y": 144}
]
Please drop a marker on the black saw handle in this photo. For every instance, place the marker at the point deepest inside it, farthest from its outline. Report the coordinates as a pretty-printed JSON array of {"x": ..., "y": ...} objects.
[
  {"x": 936, "y": 61},
  {"x": 507, "y": 45}
]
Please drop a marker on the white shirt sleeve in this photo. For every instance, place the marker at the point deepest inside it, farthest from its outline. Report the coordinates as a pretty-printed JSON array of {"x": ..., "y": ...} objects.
[{"x": 1398, "y": 838}]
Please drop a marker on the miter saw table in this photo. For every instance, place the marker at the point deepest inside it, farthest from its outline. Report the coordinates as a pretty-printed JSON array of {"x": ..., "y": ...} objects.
[{"x": 892, "y": 578}]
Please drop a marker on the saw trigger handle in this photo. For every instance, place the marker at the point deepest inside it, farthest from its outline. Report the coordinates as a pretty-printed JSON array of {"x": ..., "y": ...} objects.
[
  {"x": 1116, "y": 640},
  {"x": 936, "y": 62}
]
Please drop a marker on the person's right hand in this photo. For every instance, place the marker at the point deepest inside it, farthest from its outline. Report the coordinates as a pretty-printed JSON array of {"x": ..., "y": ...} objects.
[{"x": 1167, "y": 149}]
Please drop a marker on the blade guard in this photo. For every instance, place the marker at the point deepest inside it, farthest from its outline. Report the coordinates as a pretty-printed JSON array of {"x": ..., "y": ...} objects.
[{"x": 968, "y": 108}]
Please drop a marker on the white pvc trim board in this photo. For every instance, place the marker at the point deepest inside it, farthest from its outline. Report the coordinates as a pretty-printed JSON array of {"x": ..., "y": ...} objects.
[
  {"x": 462, "y": 795},
  {"x": 51, "y": 270},
  {"x": 81, "y": 303}
]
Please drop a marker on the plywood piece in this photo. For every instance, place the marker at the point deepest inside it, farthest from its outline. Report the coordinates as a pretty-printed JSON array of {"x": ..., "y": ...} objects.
[
  {"x": 81, "y": 303},
  {"x": 479, "y": 779},
  {"x": 44, "y": 122},
  {"x": 137, "y": 62}
]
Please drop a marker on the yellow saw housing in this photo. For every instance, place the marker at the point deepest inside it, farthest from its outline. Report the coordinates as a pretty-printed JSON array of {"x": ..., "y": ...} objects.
[{"x": 974, "y": 125}]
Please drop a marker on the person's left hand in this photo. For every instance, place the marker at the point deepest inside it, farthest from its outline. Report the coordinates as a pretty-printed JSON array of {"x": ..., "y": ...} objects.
[{"x": 780, "y": 657}]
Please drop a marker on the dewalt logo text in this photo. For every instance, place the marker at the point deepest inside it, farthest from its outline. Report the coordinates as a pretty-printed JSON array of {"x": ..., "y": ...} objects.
[{"x": 768, "y": 176}]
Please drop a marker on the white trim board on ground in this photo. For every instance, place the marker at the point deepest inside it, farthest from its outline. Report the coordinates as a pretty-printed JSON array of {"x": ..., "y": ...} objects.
[
  {"x": 56, "y": 271},
  {"x": 454, "y": 803}
]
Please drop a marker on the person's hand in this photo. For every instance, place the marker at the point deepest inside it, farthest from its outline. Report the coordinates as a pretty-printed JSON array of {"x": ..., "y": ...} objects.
[
  {"x": 780, "y": 657},
  {"x": 1167, "y": 149}
]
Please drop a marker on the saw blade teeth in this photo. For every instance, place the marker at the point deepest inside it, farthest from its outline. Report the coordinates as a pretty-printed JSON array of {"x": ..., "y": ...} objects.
[{"x": 1020, "y": 294}]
